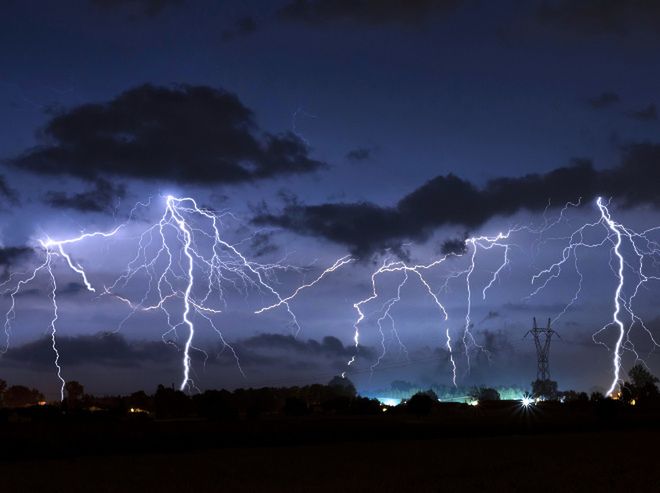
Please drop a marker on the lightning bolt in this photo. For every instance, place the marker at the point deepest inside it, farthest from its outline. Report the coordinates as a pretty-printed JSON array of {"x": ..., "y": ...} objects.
[
  {"x": 615, "y": 228},
  {"x": 186, "y": 262},
  {"x": 188, "y": 266},
  {"x": 614, "y": 235},
  {"x": 617, "y": 236}
]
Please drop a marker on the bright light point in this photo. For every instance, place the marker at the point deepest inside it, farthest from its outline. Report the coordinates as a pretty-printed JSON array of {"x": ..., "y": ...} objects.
[
  {"x": 526, "y": 401},
  {"x": 473, "y": 403}
]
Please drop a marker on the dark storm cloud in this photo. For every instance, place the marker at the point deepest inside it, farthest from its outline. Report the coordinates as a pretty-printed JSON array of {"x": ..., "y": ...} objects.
[
  {"x": 288, "y": 352},
  {"x": 594, "y": 17},
  {"x": 329, "y": 346},
  {"x": 362, "y": 226},
  {"x": 100, "y": 349},
  {"x": 242, "y": 27},
  {"x": 647, "y": 114},
  {"x": 6, "y": 192},
  {"x": 536, "y": 308},
  {"x": 12, "y": 255},
  {"x": 365, "y": 11},
  {"x": 102, "y": 198},
  {"x": 111, "y": 349},
  {"x": 495, "y": 341},
  {"x": 186, "y": 134},
  {"x": 454, "y": 246},
  {"x": 149, "y": 8},
  {"x": 450, "y": 200},
  {"x": 604, "y": 100},
  {"x": 262, "y": 244},
  {"x": 71, "y": 288},
  {"x": 492, "y": 314},
  {"x": 361, "y": 154}
]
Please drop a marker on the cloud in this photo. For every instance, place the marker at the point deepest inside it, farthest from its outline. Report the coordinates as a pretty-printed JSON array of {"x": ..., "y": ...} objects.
[
  {"x": 114, "y": 350},
  {"x": 286, "y": 352},
  {"x": 537, "y": 307},
  {"x": 454, "y": 246},
  {"x": 598, "y": 17},
  {"x": 361, "y": 154},
  {"x": 242, "y": 27},
  {"x": 71, "y": 288},
  {"x": 6, "y": 192},
  {"x": 184, "y": 134},
  {"x": 329, "y": 345},
  {"x": 369, "y": 12},
  {"x": 492, "y": 314},
  {"x": 449, "y": 200},
  {"x": 363, "y": 226},
  {"x": 11, "y": 255},
  {"x": 102, "y": 198},
  {"x": 647, "y": 114},
  {"x": 262, "y": 244},
  {"x": 148, "y": 8},
  {"x": 105, "y": 349},
  {"x": 496, "y": 341},
  {"x": 604, "y": 100}
]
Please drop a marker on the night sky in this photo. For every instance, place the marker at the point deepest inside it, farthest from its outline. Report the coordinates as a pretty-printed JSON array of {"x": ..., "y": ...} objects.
[{"x": 385, "y": 130}]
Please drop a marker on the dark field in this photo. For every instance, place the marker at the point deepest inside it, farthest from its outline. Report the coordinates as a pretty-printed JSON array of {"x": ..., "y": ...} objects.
[
  {"x": 606, "y": 461},
  {"x": 383, "y": 454}
]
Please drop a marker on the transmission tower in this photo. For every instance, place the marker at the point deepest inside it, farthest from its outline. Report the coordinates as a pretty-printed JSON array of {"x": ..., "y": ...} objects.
[{"x": 542, "y": 338}]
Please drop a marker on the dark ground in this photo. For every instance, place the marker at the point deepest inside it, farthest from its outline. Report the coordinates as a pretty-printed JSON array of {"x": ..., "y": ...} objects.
[
  {"x": 501, "y": 448},
  {"x": 599, "y": 461}
]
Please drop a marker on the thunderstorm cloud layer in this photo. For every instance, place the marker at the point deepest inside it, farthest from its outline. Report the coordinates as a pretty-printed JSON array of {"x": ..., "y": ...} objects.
[{"x": 213, "y": 194}]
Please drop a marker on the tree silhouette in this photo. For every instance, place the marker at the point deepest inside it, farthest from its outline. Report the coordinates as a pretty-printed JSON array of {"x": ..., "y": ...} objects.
[
  {"x": 421, "y": 403},
  {"x": 642, "y": 386},
  {"x": 139, "y": 400},
  {"x": 641, "y": 377},
  {"x": 21, "y": 396},
  {"x": 215, "y": 405},
  {"x": 483, "y": 394},
  {"x": 74, "y": 392},
  {"x": 342, "y": 386},
  {"x": 171, "y": 403},
  {"x": 3, "y": 388}
]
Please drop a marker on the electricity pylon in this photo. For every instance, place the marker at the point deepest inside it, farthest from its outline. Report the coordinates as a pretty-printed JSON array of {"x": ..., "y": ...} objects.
[{"x": 542, "y": 338}]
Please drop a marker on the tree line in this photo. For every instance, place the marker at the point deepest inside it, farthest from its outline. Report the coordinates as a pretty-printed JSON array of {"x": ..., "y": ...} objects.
[{"x": 339, "y": 396}]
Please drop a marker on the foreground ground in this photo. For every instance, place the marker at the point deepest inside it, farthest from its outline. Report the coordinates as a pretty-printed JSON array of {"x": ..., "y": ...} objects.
[{"x": 590, "y": 461}]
